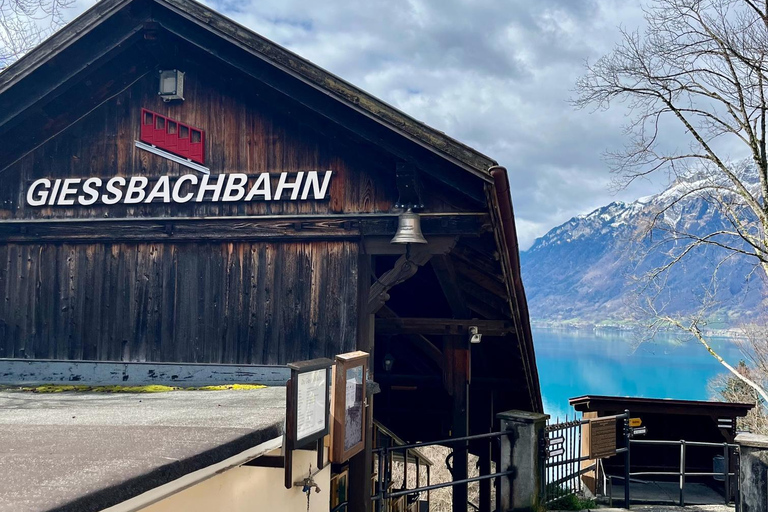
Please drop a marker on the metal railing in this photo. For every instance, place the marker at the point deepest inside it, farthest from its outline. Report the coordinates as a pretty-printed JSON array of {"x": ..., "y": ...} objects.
[
  {"x": 682, "y": 473},
  {"x": 562, "y": 455},
  {"x": 387, "y": 455},
  {"x": 562, "y": 460}
]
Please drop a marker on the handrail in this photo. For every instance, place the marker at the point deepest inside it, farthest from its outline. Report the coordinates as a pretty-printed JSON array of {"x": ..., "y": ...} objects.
[
  {"x": 677, "y": 443},
  {"x": 449, "y": 484},
  {"x": 387, "y": 453},
  {"x": 677, "y": 473},
  {"x": 682, "y": 473},
  {"x": 451, "y": 440}
]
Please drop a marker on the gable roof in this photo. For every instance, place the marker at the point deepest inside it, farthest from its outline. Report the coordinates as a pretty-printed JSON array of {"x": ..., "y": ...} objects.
[{"x": 286, "y": 61}]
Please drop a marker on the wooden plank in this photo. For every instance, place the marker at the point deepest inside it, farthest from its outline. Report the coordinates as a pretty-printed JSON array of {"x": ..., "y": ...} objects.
[
  {"x": 227, "y": 228},
  {"x": 177, "y": 302},
  {"x": 442, "y": 326},
  {"x": 419, "y": 342}
]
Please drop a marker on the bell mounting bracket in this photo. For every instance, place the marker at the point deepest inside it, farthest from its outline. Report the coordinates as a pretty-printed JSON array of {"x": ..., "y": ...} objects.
[{"x": 408, "y": 187}]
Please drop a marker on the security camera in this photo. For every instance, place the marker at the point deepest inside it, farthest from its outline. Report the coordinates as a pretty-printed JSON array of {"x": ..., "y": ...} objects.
[{"x": 474, "y": 335}]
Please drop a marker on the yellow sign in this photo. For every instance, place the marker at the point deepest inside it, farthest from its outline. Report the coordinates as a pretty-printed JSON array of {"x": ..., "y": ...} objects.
[{"x": 635, "y": 422}]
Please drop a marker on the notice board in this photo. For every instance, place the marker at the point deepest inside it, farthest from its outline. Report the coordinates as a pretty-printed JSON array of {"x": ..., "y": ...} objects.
[
  {"x": 602, "y": 437},
  {"x": 349, "y": 405}
]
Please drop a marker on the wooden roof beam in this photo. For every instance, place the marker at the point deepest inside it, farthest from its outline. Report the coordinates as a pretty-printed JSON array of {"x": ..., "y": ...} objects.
[
  {"x": 442, "y": 326},
  {"x": 421, "y": 343},
  {"x": 484, "y": 310}
]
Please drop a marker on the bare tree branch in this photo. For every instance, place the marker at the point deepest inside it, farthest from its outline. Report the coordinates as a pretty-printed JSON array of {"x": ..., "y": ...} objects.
[{"x": 25, "y": 23}]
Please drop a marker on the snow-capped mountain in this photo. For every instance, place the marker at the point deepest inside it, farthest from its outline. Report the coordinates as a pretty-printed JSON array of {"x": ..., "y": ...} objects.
[{"x": 591, "y": 269}]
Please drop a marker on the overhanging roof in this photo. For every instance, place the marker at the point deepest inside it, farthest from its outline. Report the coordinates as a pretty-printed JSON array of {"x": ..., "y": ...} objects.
[{"x": 598, "y": 403}]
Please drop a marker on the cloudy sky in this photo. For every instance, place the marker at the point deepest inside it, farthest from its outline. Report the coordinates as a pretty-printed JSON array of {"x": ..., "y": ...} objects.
[{"x": 495, "y": 74}]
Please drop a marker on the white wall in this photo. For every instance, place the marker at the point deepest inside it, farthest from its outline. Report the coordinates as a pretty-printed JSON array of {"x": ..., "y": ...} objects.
[{"x": 253, "y": 489}]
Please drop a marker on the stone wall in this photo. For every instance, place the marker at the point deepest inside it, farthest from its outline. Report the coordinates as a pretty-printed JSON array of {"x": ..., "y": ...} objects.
[{"x": 753, "y": 472}]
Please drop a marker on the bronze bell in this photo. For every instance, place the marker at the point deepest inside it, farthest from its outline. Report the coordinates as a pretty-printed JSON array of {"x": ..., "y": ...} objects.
[{"x": 408, "y": 229}]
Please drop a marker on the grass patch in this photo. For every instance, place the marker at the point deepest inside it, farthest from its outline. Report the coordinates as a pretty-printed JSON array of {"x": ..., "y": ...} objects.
[
  {"x": 227, "y": 386},
  {"x": 153, "y": 388},
  {"x": 573, "y": 502},
  {"x": 565, "y": 500}
]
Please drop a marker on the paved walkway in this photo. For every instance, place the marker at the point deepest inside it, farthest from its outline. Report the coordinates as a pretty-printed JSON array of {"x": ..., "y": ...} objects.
[
  {"x": 662, "y": 492},
  {"x": 672, "y": 508}
]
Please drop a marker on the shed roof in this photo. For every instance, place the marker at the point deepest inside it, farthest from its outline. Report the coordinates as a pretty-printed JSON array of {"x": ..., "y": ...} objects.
[
  {"x": 590, "y": 403},
  {"x": 88, "y": 451}
]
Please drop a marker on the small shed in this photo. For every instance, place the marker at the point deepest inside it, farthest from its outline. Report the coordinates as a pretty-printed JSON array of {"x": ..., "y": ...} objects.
[{"x": 668, "y": 420}]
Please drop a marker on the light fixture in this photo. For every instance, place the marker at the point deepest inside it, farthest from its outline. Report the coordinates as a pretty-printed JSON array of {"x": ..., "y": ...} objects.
[
  {"x": 171, "y": 85},
  {"x": 389, "y": 360},
  {"x": 408, "y": 229},
  {"x": 474, "y": 335}
]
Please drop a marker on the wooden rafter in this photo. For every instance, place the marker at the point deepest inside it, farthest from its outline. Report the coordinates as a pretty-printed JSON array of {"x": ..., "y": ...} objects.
[
  {"x": 446, "y": 276},
  {"x": 418, "y": 341}
]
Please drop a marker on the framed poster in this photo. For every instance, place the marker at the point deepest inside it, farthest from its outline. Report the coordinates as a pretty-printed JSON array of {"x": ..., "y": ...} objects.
[
  {"x": 349, "y": 414},
  {"x": 307, "y": 410},
  {"x": 308, "y": 415},
  {"x": 311, "y": 404}
]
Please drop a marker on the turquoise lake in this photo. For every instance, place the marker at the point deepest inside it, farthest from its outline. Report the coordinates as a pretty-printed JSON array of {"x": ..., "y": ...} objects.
[{"x": 575, "y": 363}]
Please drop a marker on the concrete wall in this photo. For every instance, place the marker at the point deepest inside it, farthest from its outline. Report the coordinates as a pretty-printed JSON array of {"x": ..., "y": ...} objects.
[
  {"x": 753, "y": 470},
  {"x": 252, "y": 489}
]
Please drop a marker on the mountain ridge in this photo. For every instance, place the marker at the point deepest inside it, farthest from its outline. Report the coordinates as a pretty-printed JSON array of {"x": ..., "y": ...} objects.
[{"x": 589, "y": 270}]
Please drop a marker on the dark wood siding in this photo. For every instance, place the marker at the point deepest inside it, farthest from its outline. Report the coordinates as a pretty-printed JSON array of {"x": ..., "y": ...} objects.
[
  {"x": 243, "y": 135},
  {"x": 215, "y": 303}
]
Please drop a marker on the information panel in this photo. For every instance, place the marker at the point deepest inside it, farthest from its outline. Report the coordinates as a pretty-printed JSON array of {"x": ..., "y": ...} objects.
[
  {"x": 311, "y": 403},
  {"x": 353, "y": 406},
  {"x": 602, "y": 437},
  {"x": 349, "y": 406}
]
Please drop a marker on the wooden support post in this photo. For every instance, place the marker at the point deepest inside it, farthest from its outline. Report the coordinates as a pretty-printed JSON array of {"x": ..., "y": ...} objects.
[
  {"x": 486, "y": 454},
  {"x": 361, "y": 465},
  {"x": 457, "y": 365}
]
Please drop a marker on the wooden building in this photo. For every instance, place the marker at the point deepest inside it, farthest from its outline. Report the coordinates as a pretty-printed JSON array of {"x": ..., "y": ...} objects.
[{"x": 177, "y": 188}]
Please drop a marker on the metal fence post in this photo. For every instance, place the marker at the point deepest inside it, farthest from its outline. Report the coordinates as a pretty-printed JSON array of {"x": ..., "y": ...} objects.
[
  {"x": 385, "y": 504},
  {"x": 726, "y": 472},
  {"x": 682, "y": 473},
  {"x": 737, "y": 476},
  {"x": 626, "y": 460}
]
